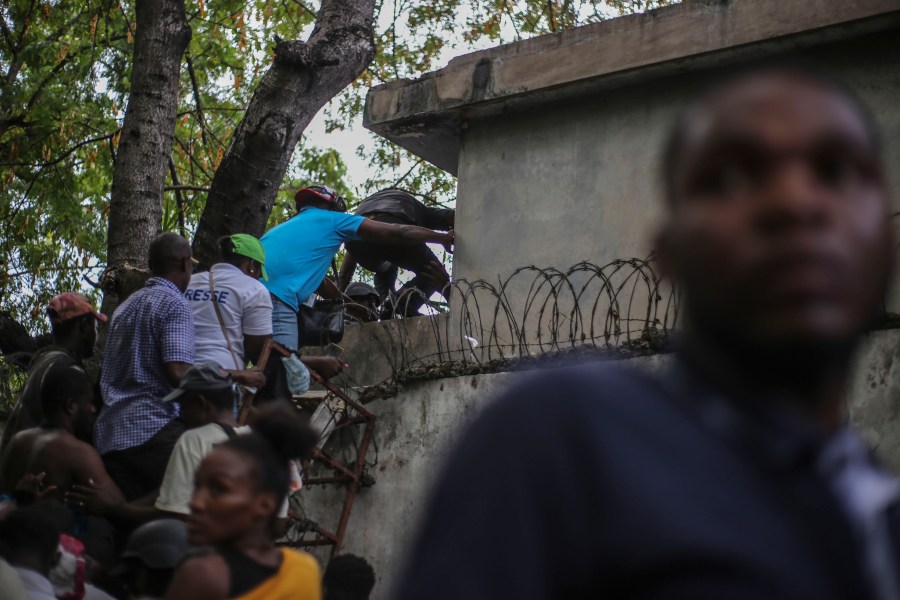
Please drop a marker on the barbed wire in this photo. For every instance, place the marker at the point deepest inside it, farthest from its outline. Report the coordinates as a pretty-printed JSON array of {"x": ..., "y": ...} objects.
[{"x": 531, "y": 313}]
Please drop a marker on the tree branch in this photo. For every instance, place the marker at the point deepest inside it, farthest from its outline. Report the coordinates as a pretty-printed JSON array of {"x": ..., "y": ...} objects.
[
  {"x": 306, "y": 9},
  {"x": 135, "y": 209},
  {"x": 196, "y": 88},
  {"x": 64, "y": 155},
  {"x": 8, "y": 122},
  {"x": 179, "y": 201},
  {"x": 14, "y": 66},
  {"x": 299, "y": 54},
  {"x": 13, "y": 336},
  {"x": 405, "y": 175},
  {"x": 302, "y": 78},
  {"x": 190, "y": 154},
  {"x": 188, "y": 188},
  {"x": 512, "y": 18},
  {"x": 38, "y": 92},
  {"x": 7, "y": 35},
  {"x": 26, "y": 20}
]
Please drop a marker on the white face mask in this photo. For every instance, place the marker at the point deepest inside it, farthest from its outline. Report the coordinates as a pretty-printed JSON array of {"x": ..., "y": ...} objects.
[{"x": 69, "y": 570}]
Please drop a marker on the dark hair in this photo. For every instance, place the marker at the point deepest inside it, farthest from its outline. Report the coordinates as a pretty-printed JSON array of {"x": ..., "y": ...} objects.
[
  {"x": 67, "y": 327},
  {"x": 279, "y": 435},
  {"x": 226, "y": 251},
  {"x": 156, "y": 580},
  {"x": 795, "y": 69},
  {"x": 57, "y": 513},
  {"x": 221, "y": 399},
  {"x": 348, "y": 577},
  {"x": 165, "y": 250},
  {"x": 62, "y": 382},
  {"x": 27, "y": 534}
]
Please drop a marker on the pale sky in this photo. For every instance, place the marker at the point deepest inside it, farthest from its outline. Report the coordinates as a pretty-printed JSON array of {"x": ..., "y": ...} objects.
[{"x": 347, "y": 141}]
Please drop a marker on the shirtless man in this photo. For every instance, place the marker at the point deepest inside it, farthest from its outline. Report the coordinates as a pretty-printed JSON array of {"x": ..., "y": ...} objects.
[{"x": 56, "y": 447}]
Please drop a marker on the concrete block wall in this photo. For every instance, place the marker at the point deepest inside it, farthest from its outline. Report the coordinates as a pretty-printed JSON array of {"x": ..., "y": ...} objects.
[{"x": 416, "y": 429}]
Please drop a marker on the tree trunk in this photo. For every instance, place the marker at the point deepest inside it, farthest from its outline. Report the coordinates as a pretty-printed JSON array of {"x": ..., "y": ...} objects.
[
  {"x": 135, "y": 215},
  {"x": 303, "y": 77}
]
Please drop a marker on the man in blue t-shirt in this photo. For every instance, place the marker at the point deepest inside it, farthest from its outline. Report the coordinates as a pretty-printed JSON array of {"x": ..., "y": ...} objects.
[{"x": 299, "y": 251}]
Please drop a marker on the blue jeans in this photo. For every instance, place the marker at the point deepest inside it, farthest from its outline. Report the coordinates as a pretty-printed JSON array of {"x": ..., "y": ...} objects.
[{"x": 284, "y": 325}]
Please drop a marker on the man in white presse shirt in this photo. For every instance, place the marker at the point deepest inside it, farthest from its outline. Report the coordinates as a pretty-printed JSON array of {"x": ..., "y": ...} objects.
[{"x": 245, "y": 305}]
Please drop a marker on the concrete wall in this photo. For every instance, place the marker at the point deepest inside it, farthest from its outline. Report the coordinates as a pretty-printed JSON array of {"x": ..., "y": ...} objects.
[
  {"x": 577, "y": 180},
  {"x": 416, "y": 429},
  {"x": 556, "y": 142},
  {"x": 875, "y": 395},
  {"x": 413, "y": 435},
  {"x": 376, "y": 351}
]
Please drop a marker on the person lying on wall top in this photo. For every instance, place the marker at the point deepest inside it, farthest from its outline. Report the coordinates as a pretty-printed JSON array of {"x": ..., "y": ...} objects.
[
  {"x": 300, "y": 250},
  {"x": 393, "y": 206}
]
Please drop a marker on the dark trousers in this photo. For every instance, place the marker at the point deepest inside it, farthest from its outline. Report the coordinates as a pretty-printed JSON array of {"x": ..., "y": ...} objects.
[
  {"x": 139, "y": 470},
  {"x": 384, "y": 260}
]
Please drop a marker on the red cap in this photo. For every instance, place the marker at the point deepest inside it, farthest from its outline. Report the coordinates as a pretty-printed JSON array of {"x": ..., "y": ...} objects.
[
  {"x": 321, "y": 192},
  {"x": 70, "y": 305}
]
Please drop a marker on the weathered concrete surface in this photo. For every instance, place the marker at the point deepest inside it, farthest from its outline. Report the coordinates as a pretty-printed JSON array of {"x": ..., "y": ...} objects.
[
  {"x": 578, "y": 181},
  {"x": 416, "y": 430},
  {"x": 425, "y": 115},
  {"x": 413, "y": 434},
  {"x": 375, "y": 351},
  {"x": 875, "y": 395}
]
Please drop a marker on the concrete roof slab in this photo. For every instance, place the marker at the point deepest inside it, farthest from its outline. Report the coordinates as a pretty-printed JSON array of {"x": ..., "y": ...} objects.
[{"x": 424, "y": 115}]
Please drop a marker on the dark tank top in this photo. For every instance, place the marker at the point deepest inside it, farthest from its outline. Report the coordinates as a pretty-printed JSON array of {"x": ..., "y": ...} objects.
[{"x": 245, "y": 573}]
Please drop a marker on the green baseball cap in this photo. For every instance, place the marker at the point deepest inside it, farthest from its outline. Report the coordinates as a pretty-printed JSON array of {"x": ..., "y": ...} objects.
[{"x": 249, "y": 246}]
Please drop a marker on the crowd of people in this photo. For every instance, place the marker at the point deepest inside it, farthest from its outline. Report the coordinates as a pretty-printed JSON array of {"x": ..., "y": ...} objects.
[
  {"x": 731, "y": 473},
  {"x": 183, "y": 435}
]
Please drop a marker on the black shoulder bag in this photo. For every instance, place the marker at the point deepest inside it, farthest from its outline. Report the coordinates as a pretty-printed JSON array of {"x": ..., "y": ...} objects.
[{"x": 322, "y": 323}]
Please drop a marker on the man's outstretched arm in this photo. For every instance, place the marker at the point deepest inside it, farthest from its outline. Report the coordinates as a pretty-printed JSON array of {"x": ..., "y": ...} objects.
[{"x": 390, "y": 233}]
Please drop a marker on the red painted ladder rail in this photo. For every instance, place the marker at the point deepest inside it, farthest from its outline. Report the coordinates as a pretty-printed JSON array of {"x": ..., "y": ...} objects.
[{"x": 348, "y": 475}]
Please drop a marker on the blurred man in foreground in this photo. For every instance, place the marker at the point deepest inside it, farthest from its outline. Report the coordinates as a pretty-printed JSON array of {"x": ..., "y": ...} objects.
[{"x": 733, "y": 473}]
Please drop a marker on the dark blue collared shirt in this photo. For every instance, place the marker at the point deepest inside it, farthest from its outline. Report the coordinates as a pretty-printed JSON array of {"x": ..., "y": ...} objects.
[{"x": 601, "y": 481}]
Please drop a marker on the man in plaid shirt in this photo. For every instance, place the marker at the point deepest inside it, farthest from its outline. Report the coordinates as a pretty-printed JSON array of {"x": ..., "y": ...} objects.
[{"x": 149, "y": 348}]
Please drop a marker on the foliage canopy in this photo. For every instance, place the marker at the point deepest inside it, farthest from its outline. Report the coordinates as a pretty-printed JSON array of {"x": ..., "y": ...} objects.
[{"x": 66, "y": 70}]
